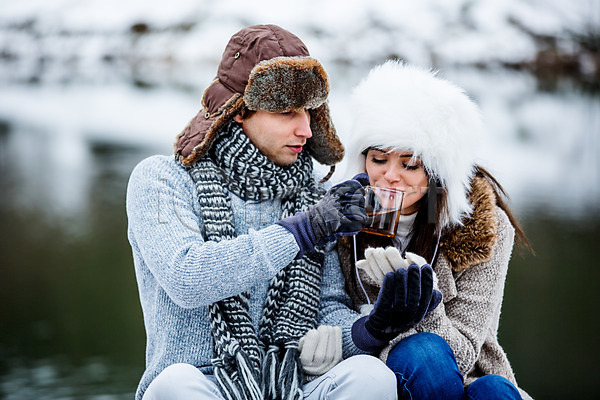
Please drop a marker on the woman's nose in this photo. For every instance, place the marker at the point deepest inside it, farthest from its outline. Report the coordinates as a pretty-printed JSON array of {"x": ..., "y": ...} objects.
[{"x": 393, "y": 173}]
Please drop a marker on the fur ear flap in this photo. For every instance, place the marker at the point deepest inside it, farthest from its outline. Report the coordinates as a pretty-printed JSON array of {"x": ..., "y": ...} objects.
[
  {"x": 324, "y": 145},
  {"x": 197, "y": 137}
]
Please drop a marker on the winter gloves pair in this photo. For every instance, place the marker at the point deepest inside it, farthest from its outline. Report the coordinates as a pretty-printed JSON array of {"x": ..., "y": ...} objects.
[
  {"x": 341, "y": 212},
  {"x": 406, "y": 296}
]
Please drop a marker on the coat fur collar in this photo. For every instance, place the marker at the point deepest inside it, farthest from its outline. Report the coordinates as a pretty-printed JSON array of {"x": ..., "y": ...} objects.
[{"x": 472, "y": 243}]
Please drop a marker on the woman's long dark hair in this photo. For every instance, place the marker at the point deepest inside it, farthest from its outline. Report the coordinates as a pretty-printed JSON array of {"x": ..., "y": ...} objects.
[{"x": 427, "y": 225}]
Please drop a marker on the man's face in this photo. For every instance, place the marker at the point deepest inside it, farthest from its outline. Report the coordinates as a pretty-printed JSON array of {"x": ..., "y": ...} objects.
[{"x": 279, "y": 136}]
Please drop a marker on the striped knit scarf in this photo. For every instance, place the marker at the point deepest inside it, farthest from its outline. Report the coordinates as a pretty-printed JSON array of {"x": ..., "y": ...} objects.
[{"x": 247, "y": 365}]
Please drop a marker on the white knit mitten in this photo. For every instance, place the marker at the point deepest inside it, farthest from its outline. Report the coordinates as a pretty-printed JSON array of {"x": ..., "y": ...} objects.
[
  {"x": 379, "y": 261},
  {"x": 321, "y": 349}
]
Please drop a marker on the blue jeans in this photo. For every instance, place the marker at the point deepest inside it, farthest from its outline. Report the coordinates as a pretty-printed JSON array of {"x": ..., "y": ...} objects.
[{"x": 425, "y": 368}]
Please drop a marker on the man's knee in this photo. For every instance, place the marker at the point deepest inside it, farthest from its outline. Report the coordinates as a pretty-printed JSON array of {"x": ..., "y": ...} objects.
[
  {"x": 177, "y": 372},
  {"x": 371, "y": 372},
  {"x": 180, "y": 381}
]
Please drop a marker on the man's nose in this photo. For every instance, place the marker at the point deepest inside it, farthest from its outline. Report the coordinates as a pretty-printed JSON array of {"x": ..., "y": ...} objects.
[{"x": 302, "y": 128}]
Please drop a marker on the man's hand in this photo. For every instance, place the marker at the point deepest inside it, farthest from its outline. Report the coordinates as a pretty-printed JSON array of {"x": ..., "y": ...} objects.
[
  {"x": 341, "y": 212},
  {"x": 321, "y": 349}
]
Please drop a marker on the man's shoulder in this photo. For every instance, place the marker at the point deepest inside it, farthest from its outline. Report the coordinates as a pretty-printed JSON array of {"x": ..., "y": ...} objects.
[
  {"x": 158, "y": 164},
  {"x": 158, "y": 170}
]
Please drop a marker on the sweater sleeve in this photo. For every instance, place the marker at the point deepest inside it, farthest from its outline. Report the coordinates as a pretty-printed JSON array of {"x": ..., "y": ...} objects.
[
  {"x": 467, "y": 319},
  {"x": 165, "y": 232},
  {"x": 336, "y": 306}
]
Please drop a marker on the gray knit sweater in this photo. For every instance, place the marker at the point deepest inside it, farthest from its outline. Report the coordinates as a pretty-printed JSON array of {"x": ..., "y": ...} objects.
[{"x": 179, "y": 275}]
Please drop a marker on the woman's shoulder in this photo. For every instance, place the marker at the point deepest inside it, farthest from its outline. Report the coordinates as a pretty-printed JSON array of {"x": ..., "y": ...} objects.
[
  {"x": 487, "y": 231},
  {"x": 505, "y": 230}
]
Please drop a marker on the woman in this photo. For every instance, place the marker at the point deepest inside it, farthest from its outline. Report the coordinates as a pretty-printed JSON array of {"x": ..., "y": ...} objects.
[{"x": 418, "y": 133}]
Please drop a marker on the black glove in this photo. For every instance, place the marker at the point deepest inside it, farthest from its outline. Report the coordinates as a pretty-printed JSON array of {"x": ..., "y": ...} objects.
[
  {"x": 405, "y": 298},
  {"x": 362, "y": 178},
  {"x": 403, "y": 301},
  {"x": 341, "y": 212}
]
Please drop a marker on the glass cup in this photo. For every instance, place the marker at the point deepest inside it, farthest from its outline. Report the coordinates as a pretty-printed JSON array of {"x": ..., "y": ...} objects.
[{"x": 383, "y": 207}]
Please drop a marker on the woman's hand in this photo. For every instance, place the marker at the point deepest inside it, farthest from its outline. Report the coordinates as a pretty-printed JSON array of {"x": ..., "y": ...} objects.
[
  {"x": 405, "y": 298},
  {"x": 379, "y": 261}
]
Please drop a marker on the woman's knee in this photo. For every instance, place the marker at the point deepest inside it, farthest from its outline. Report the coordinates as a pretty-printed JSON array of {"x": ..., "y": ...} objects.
[
  {"x": 423, "y": 348},
  {"x": 493, "y": 387},
  {"x": 425, "y": 365}
]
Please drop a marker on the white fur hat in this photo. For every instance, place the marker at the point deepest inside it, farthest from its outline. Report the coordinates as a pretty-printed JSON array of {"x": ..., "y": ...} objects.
[{"x": 406, "y": 108}]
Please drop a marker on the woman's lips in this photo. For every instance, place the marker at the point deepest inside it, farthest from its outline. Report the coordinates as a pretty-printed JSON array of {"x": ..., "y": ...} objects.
[
  {"x": 399, "y": 189},
  {"x": 296, "y": 149}
]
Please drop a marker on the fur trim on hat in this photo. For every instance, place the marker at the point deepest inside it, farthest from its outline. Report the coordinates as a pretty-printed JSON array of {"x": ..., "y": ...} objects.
[
  {"x": 402, "y": 107},
  {"x": 296, "y": 83},
  {"x": 285, "y": 84}
]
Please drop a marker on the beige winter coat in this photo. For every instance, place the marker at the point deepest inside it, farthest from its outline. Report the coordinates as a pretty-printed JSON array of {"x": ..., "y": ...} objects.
[{"x": 471, "y": 272}]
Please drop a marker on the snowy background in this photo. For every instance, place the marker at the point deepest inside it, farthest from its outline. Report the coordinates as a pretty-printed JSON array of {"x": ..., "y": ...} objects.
[
  {"x": 131, "y": 72},
  {"x": 88, "y": 88}
]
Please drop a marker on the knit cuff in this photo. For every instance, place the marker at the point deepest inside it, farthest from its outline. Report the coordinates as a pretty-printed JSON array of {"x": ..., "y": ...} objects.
[{"x": 364, "y": 340}]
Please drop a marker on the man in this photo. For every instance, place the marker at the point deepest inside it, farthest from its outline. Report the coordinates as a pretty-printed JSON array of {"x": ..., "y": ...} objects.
[{"x": 241, "y": 293}]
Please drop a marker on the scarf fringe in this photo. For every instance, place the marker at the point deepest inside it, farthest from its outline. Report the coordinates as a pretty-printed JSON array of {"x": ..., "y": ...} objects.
[
  {"x": 241, "y": 384},
  {"x": 248, "y": 379},
  {"x": 282, "y": 377},
  {"x": 290, "y": 375},
  {"x": 269, "y": 375},
  {"x": 227, "y": 383}
]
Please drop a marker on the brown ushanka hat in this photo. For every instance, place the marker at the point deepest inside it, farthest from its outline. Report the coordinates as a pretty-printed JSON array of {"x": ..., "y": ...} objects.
[{"x": 264, "y": 67}]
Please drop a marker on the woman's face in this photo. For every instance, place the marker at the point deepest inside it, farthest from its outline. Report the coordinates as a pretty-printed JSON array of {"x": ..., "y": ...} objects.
[{"x": 395, "y": 170}]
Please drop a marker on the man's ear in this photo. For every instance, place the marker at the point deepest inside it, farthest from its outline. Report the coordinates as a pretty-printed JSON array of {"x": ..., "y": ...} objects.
[{"x": 238, "y": 118}]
